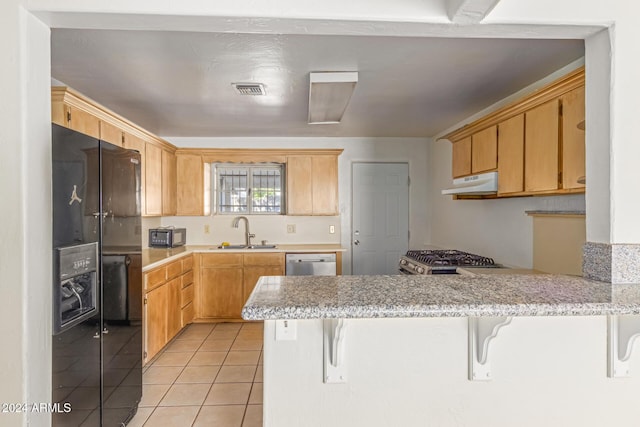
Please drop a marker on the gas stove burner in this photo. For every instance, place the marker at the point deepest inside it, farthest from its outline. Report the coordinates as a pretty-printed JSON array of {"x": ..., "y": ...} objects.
[{"x": 445, "y": 257}]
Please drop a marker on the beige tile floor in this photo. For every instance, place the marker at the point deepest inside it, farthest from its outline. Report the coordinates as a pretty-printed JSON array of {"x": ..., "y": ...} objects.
[{"x": 209, "y": 375}]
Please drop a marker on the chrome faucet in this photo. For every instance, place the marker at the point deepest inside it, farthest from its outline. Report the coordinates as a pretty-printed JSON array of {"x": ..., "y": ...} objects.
[{"x": 247, "y": 234}]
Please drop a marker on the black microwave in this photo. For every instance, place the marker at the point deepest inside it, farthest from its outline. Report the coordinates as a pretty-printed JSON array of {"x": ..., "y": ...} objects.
[{"x": 167, "y": 237}]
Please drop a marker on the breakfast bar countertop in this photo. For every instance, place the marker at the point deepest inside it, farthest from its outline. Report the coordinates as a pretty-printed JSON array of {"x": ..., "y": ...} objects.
[{"x": 318, "y": 297}]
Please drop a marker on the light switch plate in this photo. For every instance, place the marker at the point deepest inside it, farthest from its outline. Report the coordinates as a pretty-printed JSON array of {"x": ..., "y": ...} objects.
[
  {"x": 291, "y": 228},
  {"x": 286, "y": 330}
]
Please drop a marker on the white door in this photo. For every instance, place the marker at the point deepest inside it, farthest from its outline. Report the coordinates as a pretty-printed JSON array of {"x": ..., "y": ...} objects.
[{"x": 380, "y": 207}]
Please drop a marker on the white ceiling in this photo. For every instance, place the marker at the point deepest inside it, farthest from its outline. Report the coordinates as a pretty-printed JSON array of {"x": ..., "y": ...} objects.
[{"x": 179, "y": 83}]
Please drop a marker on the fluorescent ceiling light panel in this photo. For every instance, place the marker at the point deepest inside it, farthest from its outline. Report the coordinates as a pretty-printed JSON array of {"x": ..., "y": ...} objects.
[{"x": 329, "y": 94}]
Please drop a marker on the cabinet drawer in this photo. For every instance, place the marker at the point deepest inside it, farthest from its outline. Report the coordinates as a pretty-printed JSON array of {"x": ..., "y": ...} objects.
[
  {"x": 264, "y": 259},
  {"x": 187, "y": 279},
  {"x": 174, "y": 269},
  {"x": 155, "y": 278},
  {"x": 217, "y": 260},
  {"x": 187, "y": 263},
  {"x": 186, "y": 295},
  {"x": 187, "y": 314}
]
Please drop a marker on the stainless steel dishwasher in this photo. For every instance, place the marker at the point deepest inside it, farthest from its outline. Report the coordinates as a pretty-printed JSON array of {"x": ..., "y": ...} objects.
[{"x": 311, "y": 265}]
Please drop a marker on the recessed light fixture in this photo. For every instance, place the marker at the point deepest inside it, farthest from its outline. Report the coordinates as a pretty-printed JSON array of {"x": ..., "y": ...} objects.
[
  {"x": 254, "y": 89},
  {"x": 329, "y": 95}
]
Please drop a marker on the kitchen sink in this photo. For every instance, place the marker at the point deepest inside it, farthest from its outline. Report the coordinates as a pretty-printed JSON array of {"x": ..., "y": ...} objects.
[
  {"x": 262, "y": 247},
  {"x": 232, "y": 247}
]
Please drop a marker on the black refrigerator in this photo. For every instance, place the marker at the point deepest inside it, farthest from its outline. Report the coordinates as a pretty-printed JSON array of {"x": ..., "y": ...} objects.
[{"x": 97, "y": 281}]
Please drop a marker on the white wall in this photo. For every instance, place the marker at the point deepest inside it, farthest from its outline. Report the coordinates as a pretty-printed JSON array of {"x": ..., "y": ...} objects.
[
  {"x": 25, "y": 245},
  {"x": 316, "y": 229},
  {"x": 546, "y": 371}
]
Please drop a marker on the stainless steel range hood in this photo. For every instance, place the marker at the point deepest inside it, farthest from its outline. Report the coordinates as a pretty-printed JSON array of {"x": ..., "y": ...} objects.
[{"x": 481, "y": 184}]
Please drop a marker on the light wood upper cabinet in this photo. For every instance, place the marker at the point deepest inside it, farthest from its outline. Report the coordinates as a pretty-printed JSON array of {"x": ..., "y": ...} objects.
[
  {"x": 190, "y": 184},
  {"x": 461, "y": 157},
  {"x": 153, "y": 179},
  {"x": 299, "y": 185},
  {"x": 312, "y": 185},
  {"x": 82, "y": 121},
  {"x": 132, "y": 142},
  {"x": 511, "y": 155},
  {"x": 74, "y": 111},
  {"x": 484, "y": 150},
  {"x": 324, "y": 185},
  {"x": 111, "y": 133},
  {"x": 168, "y": 183},
  {"x": 573, "y": 148},
  {"x": 541, "y": 147}
]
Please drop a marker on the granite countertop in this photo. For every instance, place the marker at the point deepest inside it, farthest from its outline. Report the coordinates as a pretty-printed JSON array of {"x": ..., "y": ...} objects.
[
  {"x": 155, "y": 257},
  {"x": 317, "y": 297}
]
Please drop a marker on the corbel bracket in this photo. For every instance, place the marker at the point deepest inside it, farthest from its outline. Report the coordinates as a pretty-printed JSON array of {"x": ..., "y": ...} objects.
[
  {"x": 333, "y": 331},
  {"x": 622, "y": 331},
  {"x": 481, "y": 331}
]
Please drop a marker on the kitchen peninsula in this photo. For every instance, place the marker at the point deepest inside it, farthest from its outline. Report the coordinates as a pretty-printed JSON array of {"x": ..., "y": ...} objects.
[
  {"x": 482, "y": 350},
  {"x": 205, "y": 283}
]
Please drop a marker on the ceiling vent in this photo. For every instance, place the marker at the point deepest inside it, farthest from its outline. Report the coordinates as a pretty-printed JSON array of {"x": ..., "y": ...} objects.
[{"x": 249, "y": 88}]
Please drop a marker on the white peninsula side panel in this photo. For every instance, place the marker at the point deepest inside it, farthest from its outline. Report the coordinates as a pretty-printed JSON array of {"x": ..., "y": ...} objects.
[{"x": 546, "y": 371}]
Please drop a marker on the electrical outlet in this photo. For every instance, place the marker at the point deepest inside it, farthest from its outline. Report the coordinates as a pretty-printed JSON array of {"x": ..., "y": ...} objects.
[
  {"x": 286, "y": 330},
  {"x": 332, "y": 229},
  {"x": 206, "y": 229},
  {"x": 291, "y": 228}
]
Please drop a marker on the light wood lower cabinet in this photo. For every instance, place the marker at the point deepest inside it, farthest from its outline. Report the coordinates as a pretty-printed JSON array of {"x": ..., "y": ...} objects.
[
  {"x": 155, "y": 319},
  {"x": 166, "y": 307},
  {"x": 221, "y": 292},
  {"x": 174, "y": 308},
  {"x": 226, "y": 281},
  {"x": 257, "y": 265}
]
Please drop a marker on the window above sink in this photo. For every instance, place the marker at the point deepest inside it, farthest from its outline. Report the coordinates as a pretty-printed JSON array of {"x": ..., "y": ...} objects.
[{"x": 254, "y": 189}]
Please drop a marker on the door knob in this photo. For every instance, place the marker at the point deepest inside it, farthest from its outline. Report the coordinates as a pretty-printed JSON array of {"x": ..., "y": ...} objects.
[{"x": 356, "y": 242}]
